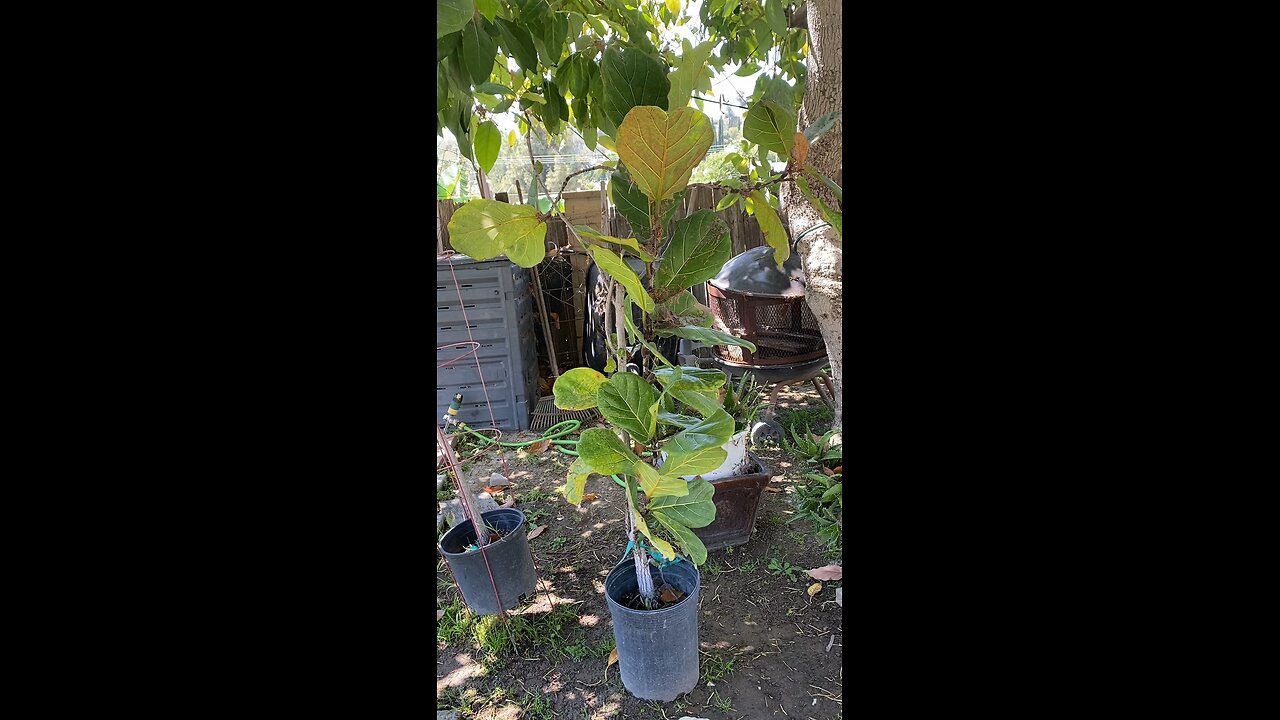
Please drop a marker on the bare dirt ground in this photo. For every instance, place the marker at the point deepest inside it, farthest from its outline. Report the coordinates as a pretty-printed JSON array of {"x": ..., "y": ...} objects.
[{"x": 768, "y": 649}]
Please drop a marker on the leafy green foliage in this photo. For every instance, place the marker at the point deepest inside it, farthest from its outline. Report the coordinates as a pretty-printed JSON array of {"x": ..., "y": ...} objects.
[{"x": 485, "y": 229}]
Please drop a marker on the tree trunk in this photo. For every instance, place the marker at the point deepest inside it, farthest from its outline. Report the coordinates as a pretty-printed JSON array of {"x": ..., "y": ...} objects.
[{"x": 821, "y": 250}]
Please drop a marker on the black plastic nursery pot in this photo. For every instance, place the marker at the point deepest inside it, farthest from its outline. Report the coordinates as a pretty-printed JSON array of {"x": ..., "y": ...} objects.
[
  {"x": 657, "y": 649},
  {"x": 509, "y": 560}
]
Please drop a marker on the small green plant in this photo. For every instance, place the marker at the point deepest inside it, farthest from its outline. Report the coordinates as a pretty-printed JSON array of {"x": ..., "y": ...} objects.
[
  {"x": 820, "y": 501},
  {"x": 532, "y": 496},
  {"x": 784, "y": 568},
  {"x": 812, "y": 449},
  {"x": 537, "y": 707},
  {"x": 558, "y": 542},
  {"x": 743, "y": 402},
  {"x": 722, "y": 704},
  {"x": 749, "y": 566},
  {"x": 715, "y": 667}
]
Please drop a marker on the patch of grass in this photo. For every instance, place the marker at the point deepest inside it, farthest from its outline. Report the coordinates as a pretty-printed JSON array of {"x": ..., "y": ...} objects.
[
  {"x": 802, "y": 417},
  {"x": 714, "y": 667},
  {"x": 777, "y": 567},
  {"x": 558, "y": 542},
  {"x": 722, "y": 704},
  {"x": 712, "y": 568},
  {"x": 537, "y": 707},
  {"x": 771, "y": 521},
  {"x": 750, "y": 566},
  {"x": 534, "y": 495},
  {"x": 489, "y": 634},
  {"x": 445, "y": 494},
  {"x": 583, "y": 649},
  {"x": 796, "y": 538},
  {"x": 533, "y": 516}
]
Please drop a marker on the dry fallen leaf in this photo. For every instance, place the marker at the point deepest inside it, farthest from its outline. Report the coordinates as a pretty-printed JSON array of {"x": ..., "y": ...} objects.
[
  {"x": 590, "y": 497},
  {"x": 839, "y": 469},
  {"x": 827, "y": 471},
  {"x": 814, "y": 589},
  {"x": 613, "y": 657},
  {"x": 537, "y": 531},
  {"x": 772, "y": 489},
  {"x": 827, "y": 572},
  {"x": 539, "y": 447},
  {"x": 669, "y": 594},
  {"x": 509, "y": 502},
  {"x": 493, "y": 490}
]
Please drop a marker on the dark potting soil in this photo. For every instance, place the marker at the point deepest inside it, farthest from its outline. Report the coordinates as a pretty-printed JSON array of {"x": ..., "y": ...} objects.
[{"x": 667, "y": 597}]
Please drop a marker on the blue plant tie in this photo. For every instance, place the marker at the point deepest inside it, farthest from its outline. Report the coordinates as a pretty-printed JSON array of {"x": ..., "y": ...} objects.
[{"x": 656, "y": 556}]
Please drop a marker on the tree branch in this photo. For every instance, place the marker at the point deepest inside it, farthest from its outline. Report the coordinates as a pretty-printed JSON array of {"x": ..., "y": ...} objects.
[
  {"x": 799, "y": 17},
  {"x": 570, "y": 176}
]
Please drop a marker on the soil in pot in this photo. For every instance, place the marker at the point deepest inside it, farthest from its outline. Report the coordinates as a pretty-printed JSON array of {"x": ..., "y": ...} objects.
[{"x": 668, "y": 596}]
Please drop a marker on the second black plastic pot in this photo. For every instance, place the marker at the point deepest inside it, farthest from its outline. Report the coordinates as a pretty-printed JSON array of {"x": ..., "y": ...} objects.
[
  {"x": 509, "y": 561},
  {"x": 657, "y": 649}
]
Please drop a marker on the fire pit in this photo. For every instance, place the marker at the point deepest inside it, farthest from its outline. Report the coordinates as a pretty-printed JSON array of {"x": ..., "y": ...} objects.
[{"x": 752, "y": 299}]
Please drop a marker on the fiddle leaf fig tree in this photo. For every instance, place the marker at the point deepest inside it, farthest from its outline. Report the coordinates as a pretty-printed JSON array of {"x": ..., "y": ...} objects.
[{"x": 610, "y": 71}]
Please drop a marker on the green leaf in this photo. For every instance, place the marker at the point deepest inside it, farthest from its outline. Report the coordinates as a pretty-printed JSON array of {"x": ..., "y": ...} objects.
[
  {"x": 631, "y": 78},
  {"x": 485, "y": 229},
  {"x": 821, "y": 126},
  {"x": 631, "y": 404},
  {"x": 706, "y": 405},
  {"x": 576, "y": 482},
  {"x": 728, "y": 201},
  {"x": 661, "y": 149},
  {"x": 478, "y": 50},
  {"x": 747, "y": 70},
  {"x": 706, "y": 336},
  {"x": 693, "y": 64},
  {"x": 488, "y": 8},
  {"x": 534, "y": 97},
  {"x": 689, "y": 543},
  {"x": 494, "y": 88},
  {"x": 488, "y": 140},
  {"x": 770, "y": 126},
  {"x": 673, "y": 6},
  {"x": 694, "y": 510},
  {"x": 655, "y": 485},
  {"x": 834, "y": 188},
  {"x": 699, "y": 448},
  {"x": 518, "y": 43},
  {"x": 617, "y": 268},
  {"x": 677, "y": 420},
  {"x": 604, "y": 452},
  {"x": 698, "y": 251},
  {"x": 577, "y": 389},
  {"x": 690, "y": 378},
  {"x": 452, "y": 15},
  {"x": 447, "y": 45},
  {"x": 775, "y": 17},
  {"x": 771, "y": 225},
  {"x": 588, "y": 233},
  {"x": 832, "y": 217}
]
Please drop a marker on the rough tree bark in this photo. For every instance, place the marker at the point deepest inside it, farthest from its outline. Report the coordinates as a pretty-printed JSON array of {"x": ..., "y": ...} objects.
[{"x": 821, "y": 251}]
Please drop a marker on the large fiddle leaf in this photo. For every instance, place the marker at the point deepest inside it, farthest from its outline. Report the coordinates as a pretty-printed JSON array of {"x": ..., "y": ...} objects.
[
  {"x": 603, "y": 452},
  {"x": 656, "y": 485},
  {"x": 693, "y": 64},
  {"x": 630, "y": 403},
  {"x": 685, "y": 307},
  {"x": 694, "y": 510},
  {"x": 631, "y": 78},
  {"x": 687, "y": 377},
  {"x": 661, "y": 149},
  {"x": 487, "y": 142},
  {"x": 699, "y": 449},
  {"x": 770, "y": 126},
  {"x": 577, "y": 389},
  {"x": 698, "y": 250},
  {"x": 453, "y": 15},
  {"x": 586, "y": 232},
  {"x": 485, "y": 229}
]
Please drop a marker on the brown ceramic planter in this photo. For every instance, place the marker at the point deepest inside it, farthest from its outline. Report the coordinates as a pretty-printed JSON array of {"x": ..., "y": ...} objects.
[{"x": 737, "y": 503}]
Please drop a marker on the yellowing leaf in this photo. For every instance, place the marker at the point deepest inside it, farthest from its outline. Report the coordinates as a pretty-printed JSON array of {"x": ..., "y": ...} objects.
[
  {"x": 814, "y": 589},
  {"x": 661, "y": 149},
  {"x": 511, "y": 138},
  {"x": 617, "y": 268},
  {"x": 655, "y": 485},
  {"x": 485, "y": 229},
  {"x": 656, "y": 542},
  {"x": 774, "y": 234},
  {"x": 673, "y": 6}
]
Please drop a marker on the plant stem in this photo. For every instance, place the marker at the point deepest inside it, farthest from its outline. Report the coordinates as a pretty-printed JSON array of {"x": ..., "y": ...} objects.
[{"x": 644, "y": 579}]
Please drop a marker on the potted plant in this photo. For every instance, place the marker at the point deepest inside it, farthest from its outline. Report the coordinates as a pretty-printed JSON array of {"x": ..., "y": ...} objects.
[{"x": 653, "y": 604}]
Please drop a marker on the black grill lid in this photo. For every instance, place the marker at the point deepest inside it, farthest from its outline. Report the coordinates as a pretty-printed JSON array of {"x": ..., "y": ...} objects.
[{"x": 754, "y": 272}]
